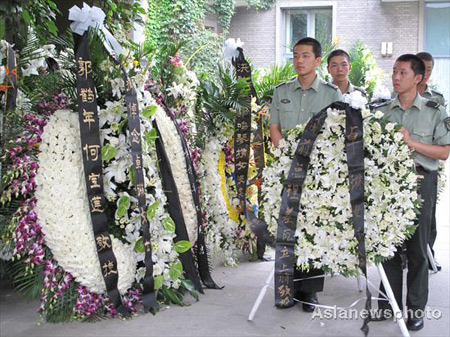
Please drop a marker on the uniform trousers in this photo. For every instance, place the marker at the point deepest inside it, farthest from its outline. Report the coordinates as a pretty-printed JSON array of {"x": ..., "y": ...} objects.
[
  {"x": 309, "y": 286},
  {"x": 416, "y": 253}
]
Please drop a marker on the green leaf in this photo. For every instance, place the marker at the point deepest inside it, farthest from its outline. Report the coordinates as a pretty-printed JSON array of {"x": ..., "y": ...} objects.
[
  {"x": 173, "y": 297},
  {"x": 151, "y": 210},
  {"x": 182, "y": 246},
  {"x": 113, "y": 6},
  {"x": 131, "y": 175},
  {"x": 176, "y": 270},
  {"x": 150, "y": 137},
  {"x": 139, "y": 246},
  {"x": 121, "y": 211},
  {"x": 124, "y": 201},
  {"x": 169, "y": 224},
  {"x": 189, "y": 285},
  {"x": 108, "y": 152},
  {"x": 26, "y": 16},
  {"x": 158, "y": 281},
  {"x": 52, "y": 27},
  {"x": 149, "y": 111}
]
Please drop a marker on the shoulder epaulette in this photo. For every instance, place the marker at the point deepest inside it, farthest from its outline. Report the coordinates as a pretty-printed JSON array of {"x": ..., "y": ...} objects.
[
  {"x": 437, "y": 93},
  {"x": 361, "y": 90},
  {"x": 279, "y": 85},
  {"x": 334, "y": 86},
  {"x": 432, "y": 104},
  {"x": 379, "y": 103}
]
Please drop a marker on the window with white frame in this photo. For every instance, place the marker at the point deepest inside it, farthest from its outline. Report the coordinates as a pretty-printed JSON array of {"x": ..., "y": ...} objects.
[
  {"x": 437, "y": 28},
  {"x": 303, "y": 22}
]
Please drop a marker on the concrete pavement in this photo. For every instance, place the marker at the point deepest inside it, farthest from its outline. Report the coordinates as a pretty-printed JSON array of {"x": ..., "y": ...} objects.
[{"x": 225, "y": 312}]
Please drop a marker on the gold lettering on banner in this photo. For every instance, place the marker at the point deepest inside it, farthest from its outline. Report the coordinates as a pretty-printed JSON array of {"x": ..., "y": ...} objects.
[
  {"x": 284, "y": 290},
  {"x": 138, "y": 162},
  {"x": 242, "y": 67},
  {"x": 284, "y": 252},
  {"x": 298, "y": 168},
  {"x": 240, "y": 192},
  {"x": 87, "y": 95},
  {"x": 283, "y": 278},
  {"x": 241, "y": 165},
  {"x": 287, "y": 235},
  {"x": 140, "y": 189},
  {"x": 129, "y": 84},
  {"x": 284, "y": 302},
  {"x": 241, "y": 153},
  {"x": 103, "y": 242},
  {"x": 242, "y": 126},
  {"x": 143, "y": 215},
  {"x": 356, "y": 181},
  {"x": 353, "y": 133},
  {"x": 314, "y": 125},
  {"x": 96, "y": 204},
  {"x": 133, "y": 109},
  {"x": 148, "y": 246},
  {"x": 92, "y": 151},
  {"x": 241, "y": 138},
  {"x": 93, "y": 178},
  {"x": 293, "y": 191},
  {"x": 84, "y": 67},
  {"x": 135, "y": 137},
  {"x": 303, "y": 147},
  {"x": 109, "y": 268},
  {"x": 357, "y": 210},
  {"x": 88, "y": 117},
  {"x": 240, "y": 179}
]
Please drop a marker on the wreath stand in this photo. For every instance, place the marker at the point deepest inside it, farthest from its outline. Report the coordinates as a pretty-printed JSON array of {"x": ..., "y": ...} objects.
[
  {"x": 384, "y": 280},
  {"x": 431, "y": 259}
]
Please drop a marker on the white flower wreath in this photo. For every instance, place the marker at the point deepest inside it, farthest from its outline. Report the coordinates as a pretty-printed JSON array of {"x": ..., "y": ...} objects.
[
  {"x": 175, "y": 154},
  {"x": 63, "y": 210},
  {"x": 222, "y": 230},
  {"x": 325, "y": 229}
]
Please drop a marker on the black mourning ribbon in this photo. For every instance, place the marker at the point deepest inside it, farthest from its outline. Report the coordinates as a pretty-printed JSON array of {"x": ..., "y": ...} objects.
[
  {"x": 175, "y": 211},
  {"x": 354, "y": 147},
  {"x": 291, "y": 195},
  {"x": 148, "y": 283},
  {"x": 93, "y": 172},
  {"x": 202, "y": 253},
  {"x": 134, "y": 127},
  {"x": 11, "y": 89},
  {"x": 242, "y": 138}
]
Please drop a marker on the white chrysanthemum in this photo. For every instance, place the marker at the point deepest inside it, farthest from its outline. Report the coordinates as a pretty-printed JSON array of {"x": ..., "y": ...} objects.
[
  {"x": 324, "y": 226},
  {"x": 63, "y": 210},
  {"x": 222, "y": 229},
  {"x": 175, "y": 154}
]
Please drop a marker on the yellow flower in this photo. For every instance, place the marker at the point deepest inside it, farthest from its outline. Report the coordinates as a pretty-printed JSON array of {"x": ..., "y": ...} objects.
[
  {"x": 135, "y": 63},
  {"x": 336, "y": 40}
]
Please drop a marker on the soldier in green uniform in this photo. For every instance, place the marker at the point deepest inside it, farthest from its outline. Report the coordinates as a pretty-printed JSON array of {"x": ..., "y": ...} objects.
[
  {"x": 423, "y": 88},
  {"x": 294, "y": 103},
  {"x": 432, "y": 95},
  {"x": 339, "y": 66},
  {"x": 426, "y": 130}
]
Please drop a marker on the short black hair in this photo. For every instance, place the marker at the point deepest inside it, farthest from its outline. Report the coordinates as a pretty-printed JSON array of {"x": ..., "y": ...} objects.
[
  {"x": 424, "y": 56},
  {"x": 417, "y": 64},
  {"x": 338, "y": 52},
  {"x": 309, "y": 41}
]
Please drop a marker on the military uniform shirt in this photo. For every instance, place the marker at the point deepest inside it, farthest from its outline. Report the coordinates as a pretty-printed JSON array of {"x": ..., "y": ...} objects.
[
  {"x": 428, "y": 125},
  {"x": 292, "y": 105},
  {"x": 433, "y": 95}
]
